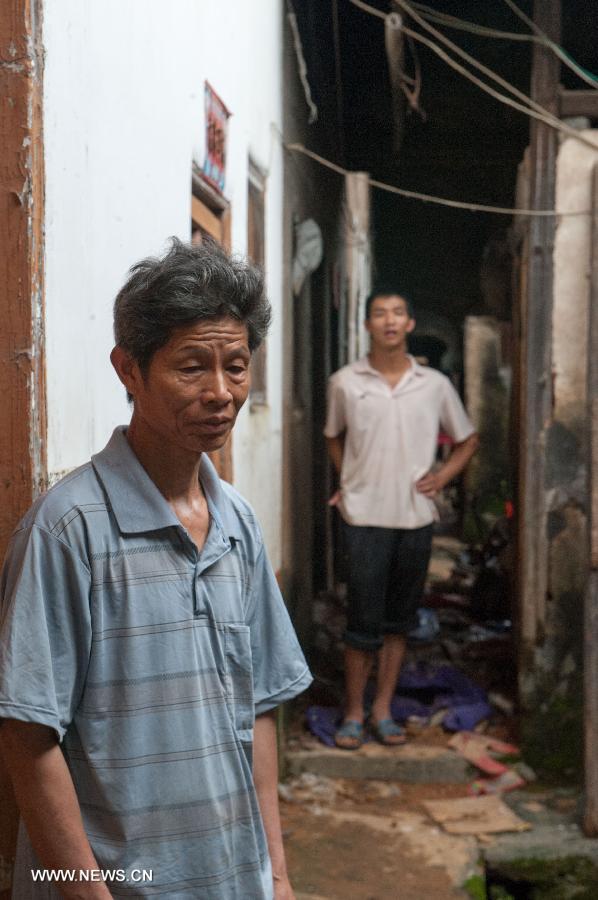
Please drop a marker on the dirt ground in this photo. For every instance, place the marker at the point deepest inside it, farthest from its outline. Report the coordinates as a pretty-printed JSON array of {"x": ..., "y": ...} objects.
[{"x": 371, "y": 841}]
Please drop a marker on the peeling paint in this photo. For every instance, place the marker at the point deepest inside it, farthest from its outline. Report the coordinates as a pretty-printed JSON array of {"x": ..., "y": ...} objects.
[
  {"x": 21, "y": 345},
  {"x": 16, "y": 67}
]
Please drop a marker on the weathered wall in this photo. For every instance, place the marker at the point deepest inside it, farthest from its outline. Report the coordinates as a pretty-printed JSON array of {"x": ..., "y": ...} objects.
[
  {"x": 551, "y": 675},
  {"x": 487, "y": 386},
  {"x": 310, "y": 192},
  {"x": 22, "y": 396},
  {"x": 124, "y": 117}
]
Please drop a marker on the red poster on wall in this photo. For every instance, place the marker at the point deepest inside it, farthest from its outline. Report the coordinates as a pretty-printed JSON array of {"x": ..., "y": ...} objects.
[{"x": 217, "y": 116}]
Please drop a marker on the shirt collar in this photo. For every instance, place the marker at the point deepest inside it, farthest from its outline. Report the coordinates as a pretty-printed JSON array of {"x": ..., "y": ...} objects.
[
  {"x": 361, "y": 366},
  {"x": 137, "y": 503}
]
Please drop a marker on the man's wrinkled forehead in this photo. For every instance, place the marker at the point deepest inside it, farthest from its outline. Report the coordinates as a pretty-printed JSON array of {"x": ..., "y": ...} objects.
[{"x": 222, "y": 330}]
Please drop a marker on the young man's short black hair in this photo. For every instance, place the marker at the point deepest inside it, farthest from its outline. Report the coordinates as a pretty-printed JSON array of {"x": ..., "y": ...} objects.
[{"x": 386, "y": 290}]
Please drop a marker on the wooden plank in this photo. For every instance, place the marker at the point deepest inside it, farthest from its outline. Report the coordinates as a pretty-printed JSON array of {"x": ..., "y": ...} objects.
[
  {"x": 22, "y": 363},
  {"x": 578, "y": 103},
  {"x": 590, "y": 815},
  {"x": 590, "y": 819},
  {"x": 593, "y": 378},
  {"x": 536, "y": 379},
  {"x": 204, "y": 191},
  {"x": 206, "y": 219},
  {"x": 256, "y": 251}
]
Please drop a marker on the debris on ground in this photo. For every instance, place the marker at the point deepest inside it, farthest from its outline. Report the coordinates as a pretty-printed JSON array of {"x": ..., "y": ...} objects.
[
  {"x": 506, "y": 781},
  {"x": 475, "y": 815},
  {"x": 426, "y": 694},
  {"x": 481, "y": 750},
  {"x": 375, "y": 841}
]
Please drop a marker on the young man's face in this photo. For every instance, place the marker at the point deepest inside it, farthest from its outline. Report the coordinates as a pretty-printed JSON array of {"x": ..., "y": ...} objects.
[
  {"x": 195, "y": 385},
  {"x": 389, "y": 322}
]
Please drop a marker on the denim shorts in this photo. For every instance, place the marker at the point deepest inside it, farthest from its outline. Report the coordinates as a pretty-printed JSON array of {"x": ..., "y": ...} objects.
[{"x": 386, "y": 574}]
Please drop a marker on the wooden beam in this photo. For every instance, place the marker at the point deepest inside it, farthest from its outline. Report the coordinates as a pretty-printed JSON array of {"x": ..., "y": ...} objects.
[
  {"x": 590, "y": 819},
  {"x": 23, "y": 467},
  {"x": 204, "y": 191},
  {"x": 536, "y": 380},
  {"x": 206, "y": 219},
  {"x": 578, "y": 103}
]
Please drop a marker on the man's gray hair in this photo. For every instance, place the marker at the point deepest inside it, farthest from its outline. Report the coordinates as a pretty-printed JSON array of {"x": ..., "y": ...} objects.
[{"x": 189, "y": 283}]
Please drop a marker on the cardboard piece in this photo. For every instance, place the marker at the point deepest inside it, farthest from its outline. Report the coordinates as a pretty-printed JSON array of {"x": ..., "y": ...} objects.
[{"x": 475, "y": 815}]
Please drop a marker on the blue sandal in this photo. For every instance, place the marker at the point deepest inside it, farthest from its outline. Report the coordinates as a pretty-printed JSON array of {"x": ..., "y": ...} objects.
[
  {"x": 350, "y": 735},
  {"x": 387, "y": 732}
]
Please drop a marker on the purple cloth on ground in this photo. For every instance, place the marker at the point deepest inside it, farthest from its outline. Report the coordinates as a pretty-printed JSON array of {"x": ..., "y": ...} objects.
[{"x": 423, "y": 689}]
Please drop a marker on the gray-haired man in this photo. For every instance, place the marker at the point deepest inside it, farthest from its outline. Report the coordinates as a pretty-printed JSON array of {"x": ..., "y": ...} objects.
[{"x": 143, "y": 639}]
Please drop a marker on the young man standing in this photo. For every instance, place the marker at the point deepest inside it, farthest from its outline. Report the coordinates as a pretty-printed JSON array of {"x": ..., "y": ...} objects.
[{"x": 384, "y": 414}]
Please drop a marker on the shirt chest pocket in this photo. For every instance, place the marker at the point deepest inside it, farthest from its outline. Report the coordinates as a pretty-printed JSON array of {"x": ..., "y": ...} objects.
[
  {"x": 239, "y": 678},
  {"x": 366, "y": 412}
]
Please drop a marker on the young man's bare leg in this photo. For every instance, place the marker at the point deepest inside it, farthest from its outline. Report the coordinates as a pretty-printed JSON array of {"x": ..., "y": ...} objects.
[
  {"x": 358, "y": 665},
  {"x": 390, "y": 659}
]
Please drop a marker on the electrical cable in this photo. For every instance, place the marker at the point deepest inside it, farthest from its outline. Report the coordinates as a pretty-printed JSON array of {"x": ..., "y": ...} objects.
[
  {"x": 582, "y": 73},
  {"x": 484, "y": 31},
  {"x": 302, "y": 65},
  {"x": 430, "y": 198},
  {"x": 338, "y": 78},
  {"x": 473, "y": 27},
  {"x": 369, "y": 9},
  {"x": 541, "y": 113},
  {"x": 545, "y": 117}
]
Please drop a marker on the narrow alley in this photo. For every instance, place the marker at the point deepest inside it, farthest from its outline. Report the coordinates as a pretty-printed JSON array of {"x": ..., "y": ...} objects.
[{"x": 389, "y": 460}]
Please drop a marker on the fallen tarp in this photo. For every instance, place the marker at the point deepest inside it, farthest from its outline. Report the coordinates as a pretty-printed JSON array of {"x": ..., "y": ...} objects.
[
  {"x": 424, "y": 690},
  {"x": 475, "y": 815}
]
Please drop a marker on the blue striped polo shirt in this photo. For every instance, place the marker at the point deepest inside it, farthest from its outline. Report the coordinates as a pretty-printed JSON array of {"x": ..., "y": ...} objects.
[{"x": 150, "y": 660}]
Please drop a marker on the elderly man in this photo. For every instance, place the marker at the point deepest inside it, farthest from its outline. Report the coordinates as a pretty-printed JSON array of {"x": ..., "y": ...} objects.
[{"x": 144, "y": 643}]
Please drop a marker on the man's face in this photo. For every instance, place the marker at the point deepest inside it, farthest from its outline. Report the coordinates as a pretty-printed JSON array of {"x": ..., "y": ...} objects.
[
  {"x": 195, "y": 384},
  {"x": 389, "y": 322}
]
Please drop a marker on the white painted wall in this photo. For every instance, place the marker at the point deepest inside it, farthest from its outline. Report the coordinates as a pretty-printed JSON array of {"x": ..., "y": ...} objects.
[{"x": 123, "y": 118}]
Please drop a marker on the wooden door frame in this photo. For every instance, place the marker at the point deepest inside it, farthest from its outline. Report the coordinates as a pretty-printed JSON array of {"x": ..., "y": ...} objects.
[
  {"x": 23, "y": 463},
  {"x": 210, "y": 212}
]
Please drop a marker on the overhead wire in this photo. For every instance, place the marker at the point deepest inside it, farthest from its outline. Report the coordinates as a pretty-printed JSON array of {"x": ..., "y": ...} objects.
[
  {"x": 431, "y": 198},
  {"x": 532, "y": 108},
  {"x": 301, "y": 64},
  {"x": 541, "y": 113},
  {"x": 537, "y": 36},
  {"x": 562, "y": 54},
  {"x": 413, "y": 96},
  {"x": 473, "y": 27}
]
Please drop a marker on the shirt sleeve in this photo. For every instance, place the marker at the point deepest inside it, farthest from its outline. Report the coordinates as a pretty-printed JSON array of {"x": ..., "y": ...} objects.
[
  {"x": 45, "y": 630},
  {"x": 336, "y": 421},
  {"x": 453, "y": 418},
  {"x": 279, "y": 668}
]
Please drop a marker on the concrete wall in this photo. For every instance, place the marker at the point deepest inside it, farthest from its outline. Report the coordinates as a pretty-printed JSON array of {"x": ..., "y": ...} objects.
[
  {"x": 123, "y": 119},
  {"x": 310, "y": 192},
  {"x": 487, "y": 396},
  {"x": 553, "y": 669}
]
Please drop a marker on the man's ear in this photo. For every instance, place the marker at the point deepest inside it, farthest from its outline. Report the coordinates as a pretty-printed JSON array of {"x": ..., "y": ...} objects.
[
  {"x": 411, "y": 326},
  {"x": 126, "y": 368}
]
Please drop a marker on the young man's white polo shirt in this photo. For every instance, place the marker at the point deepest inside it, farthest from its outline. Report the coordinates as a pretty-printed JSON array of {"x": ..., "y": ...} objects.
[{"x": 391, "y": 440}]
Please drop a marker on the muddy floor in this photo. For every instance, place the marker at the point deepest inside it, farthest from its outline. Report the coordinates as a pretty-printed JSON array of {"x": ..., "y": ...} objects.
[{"x": 371, "y": 841}]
